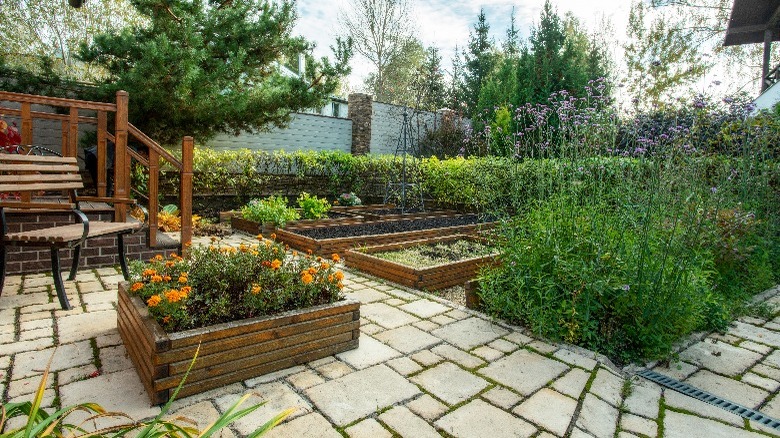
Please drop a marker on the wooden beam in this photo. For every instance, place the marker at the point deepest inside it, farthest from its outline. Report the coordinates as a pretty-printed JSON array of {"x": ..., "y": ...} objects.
[
  {"x": 121, "y": 174},
  {"x": 768, "y": 33},
  {"x": 185, "y": 191}
]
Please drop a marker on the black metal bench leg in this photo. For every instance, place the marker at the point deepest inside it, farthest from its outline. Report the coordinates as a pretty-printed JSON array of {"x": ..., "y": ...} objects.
[
  {"x": 75, "y": 265},
  {"x": 58, "y": 285},
  {"x": 120, "y": 243}
]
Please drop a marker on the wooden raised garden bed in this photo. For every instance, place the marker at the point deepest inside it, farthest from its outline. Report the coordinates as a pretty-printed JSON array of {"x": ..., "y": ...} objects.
[
  {"x": 436, "y": 277},
  {"x": 231, "y": 352},
  {"x": 297, "y": 238}
]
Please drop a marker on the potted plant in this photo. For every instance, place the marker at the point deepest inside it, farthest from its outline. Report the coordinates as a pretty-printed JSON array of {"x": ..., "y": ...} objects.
[
  {"x": 264, "y": 215},
  {"x": 253, "y": 309}
]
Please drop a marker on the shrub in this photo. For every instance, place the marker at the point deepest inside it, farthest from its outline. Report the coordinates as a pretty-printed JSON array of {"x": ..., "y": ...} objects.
[
  {"x": 348, "y": 199},
  {"x": 221, "y": 283},
  {"x": 312, "y": 206},
  {"x": 271, "y": 209}
]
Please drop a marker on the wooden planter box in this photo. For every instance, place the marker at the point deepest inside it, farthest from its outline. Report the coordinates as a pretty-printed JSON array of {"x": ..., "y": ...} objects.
[
  {"x": 251, "y": 227},
  {"x": 431, "y": 278},
  {"x": 234, "y": 351}
]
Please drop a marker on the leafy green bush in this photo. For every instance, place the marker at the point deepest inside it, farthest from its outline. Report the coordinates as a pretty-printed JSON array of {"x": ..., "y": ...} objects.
[
  {"x": 272, "y": 209},
  {"x": 312, "y": 206}
]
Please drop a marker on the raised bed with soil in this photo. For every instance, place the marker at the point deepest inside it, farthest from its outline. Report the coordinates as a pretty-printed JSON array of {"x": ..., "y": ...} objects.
[
  {"x": 234, "y": 351},
  {"x": 337, "y": 239},
  {"x": 431, "y": 264}
]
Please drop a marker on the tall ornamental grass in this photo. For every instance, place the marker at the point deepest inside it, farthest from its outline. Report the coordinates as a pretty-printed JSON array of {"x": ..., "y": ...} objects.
[{"x": 630, "y": 245}]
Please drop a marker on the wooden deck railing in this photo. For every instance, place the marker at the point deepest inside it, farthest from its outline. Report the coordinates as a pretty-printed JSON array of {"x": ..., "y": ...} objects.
[{"x": 123, "y": 154}]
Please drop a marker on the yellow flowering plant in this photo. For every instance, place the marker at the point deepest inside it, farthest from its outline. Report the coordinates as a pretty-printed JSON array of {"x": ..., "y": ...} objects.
[{"x": 221, "y": 283}]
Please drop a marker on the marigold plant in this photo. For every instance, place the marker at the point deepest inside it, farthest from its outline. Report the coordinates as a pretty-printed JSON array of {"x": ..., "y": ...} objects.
[{"x": 220, "y": 283}]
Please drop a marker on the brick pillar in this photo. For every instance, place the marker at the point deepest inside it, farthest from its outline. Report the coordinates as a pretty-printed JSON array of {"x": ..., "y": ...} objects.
[{"x": 360, "y": 110}]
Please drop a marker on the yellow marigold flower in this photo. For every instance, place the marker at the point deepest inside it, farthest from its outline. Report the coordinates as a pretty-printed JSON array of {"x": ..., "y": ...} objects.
[
  {"x": 156, "y": 279},
  {"x": 184, "y": 274},
  {"x": 182, "y": 279},
  {"x": 255, "y": 289},
  {"x": 295, "y": 253},
  {"x": 173, "y": 296},
  {"x": 158, "y": 257},
  {"x": 169, "y": 264},
  {"x": 136, "y": 287},
  {"x": 149, "y": 272},
  {"x": 254, "y": 252},
  {"x": 319, "y": 259},
  {"x": 273, "y": 236},
  {"x": 153, "y": 300},
  {"x": 243, "y": 248},
  {"x": 167, "y": 278},
  {"x": 335, "y": 257},
  {"x": 340, "y": 285},
  {"x": 306, "y": 278},
  {"x": 185, "y": 291},
  {"x": 259, "y": 237},
  {"x": 276, "y": 264},
  {"x": 212, "y": 248},
  {"x": 339, "y": 275},
  {"x": 325, "y": 266},
  {"x": 312, "y": 270},
  {"x": 330, "y": 278},
  {"x": 166, "y": 319},
  {"x": 174, "y": 256}
]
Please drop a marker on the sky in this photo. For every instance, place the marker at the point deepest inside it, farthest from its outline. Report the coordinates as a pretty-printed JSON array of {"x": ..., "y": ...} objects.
[{"x": 445, "y": 24}]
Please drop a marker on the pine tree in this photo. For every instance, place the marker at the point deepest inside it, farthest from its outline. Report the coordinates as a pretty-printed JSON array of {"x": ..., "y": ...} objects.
[
  {"x": 205, "y": 67},
  {"x": 480, "y": 62},
  {"x": 430, "y": 84}
]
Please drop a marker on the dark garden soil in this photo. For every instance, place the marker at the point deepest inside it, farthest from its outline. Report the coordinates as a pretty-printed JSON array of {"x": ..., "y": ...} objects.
[{"x": 387, "y": 227}]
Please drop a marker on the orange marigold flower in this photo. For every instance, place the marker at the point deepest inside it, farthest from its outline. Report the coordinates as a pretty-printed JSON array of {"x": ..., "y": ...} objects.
[
  {"x": 308, "y": 251},
  {"x": 295, "y": 253},
  {"x": 149, "y": 272},
  {"x": 335, "y": 257},
  {"x": 174, "y": 255},
  {"x": 255, "y": 289},
  {"x": 167, "y": 278},
  {"x": 158, "y": 257},
  {"x": 169, "y": 264},
  {"x": 136, "y": 287},
  {"x": 273, "y": 236},
  {"x": 319, "y": 259},
  {"x": 156, "y": 279},
  {"x": 166, "y": 319},
  {"x": 185, "y": 291},
  {"x": 153, "y": 300},
  {"x": 243, "y": 248},
  {"x": 182, "y": 279},
  {"x": 339, "y": 275},
  {"x": 312, "y": 270},
  {"x": 306, "y": 278},
  {"x": 259, "y": 237},
  {"x": 340, "y": 285},
  {"x": 276, "y": 264},
  {"x": 173, "y": 296},
  {"x": 330, "y": 278},
  {"x": 325, "y": 266}
]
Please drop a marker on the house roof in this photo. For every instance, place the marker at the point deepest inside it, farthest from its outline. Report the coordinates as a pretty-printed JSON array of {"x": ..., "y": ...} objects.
[{"x": 749, "y": 19}]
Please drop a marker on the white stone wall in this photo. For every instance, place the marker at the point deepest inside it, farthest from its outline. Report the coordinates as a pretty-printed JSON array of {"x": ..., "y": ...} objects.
[{"x": 387, "y": 121}]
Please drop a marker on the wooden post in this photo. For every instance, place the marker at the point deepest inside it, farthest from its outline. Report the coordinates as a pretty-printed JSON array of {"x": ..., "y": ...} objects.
[
  {"x": 767, "y": 53},
  {"x": 154, "y": 188},
  {"x": 185, "y": 191},
  {"x": 26, "y": 124},
  {"x": 102, "y": 156},
  {"x": 121, "y": 175},
  {"x": 73, "y": 133}
]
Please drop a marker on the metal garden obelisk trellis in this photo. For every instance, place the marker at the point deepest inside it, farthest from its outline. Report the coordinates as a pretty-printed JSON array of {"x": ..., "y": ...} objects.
[{"x": 405, "y": 151}]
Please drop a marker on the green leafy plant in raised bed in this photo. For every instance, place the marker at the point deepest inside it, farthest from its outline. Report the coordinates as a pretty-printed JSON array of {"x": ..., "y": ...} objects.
[
  {"x": 40, "y": 423},
  {"x": 222, "y": 283},
  {"x": 312, "y": 206},
  {"x": 272, "y": 209},
  {"x": 348, "y": 199},
  {"x": 425, "y": 255}
]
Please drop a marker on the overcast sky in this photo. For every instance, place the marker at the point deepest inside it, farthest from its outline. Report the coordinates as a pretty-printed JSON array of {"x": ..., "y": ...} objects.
[{"x": 446, "y": 23}]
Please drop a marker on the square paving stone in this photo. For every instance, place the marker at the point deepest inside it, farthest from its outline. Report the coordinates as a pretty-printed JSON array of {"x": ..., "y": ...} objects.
[
  {"x": 756, "y": 334},
  {"x": 458, "y": 356},
  {"x": 773, "y": 359},
  {"x": 312, "y": 425},
  {"x": 203, "y": 414},
  {"x": 524, "y": 371},
  {"x": 386, "y": 316},
  {"x": 727, "y": 388},
  {"x": 689, "y": 404},
  {"x": 368, "y": 428},
  {"x": 86, "y": 325},
  {"x": 501, "y": 397},
  {"x": 407, "y": 339},
  {"x": 598, "y": 417},
  {"x": 369, "y": 352},
  {"x": 643, "y": 399},
  {"x": 427, "y": 407},
  {"x": 366, "y": 296},
  {"x": 426, "y": 358},
  {"x": 426, "y": 326},
  {"x": 403, "y": 421},
  {"x": 678, "y": 425},
  {"x": 425, "y": 308},
  {"x": 608, "y": 386},
  {"x": 450, "y": 383},
  {"x": 277, "y": 397},
  {"x": 442, "y": 319},
  {"x": 66, "y": 356},
  {"x": 549, "y": 409},
  {"x": 404, "y": 366},
  {"x": 720, "y": 358},
  {"x": 334, "y": 370},
  {"x": 575, "y": 359},
  {"x": 478, "y": 419},
  {"x": 487, "y": 353},
  {"x": 469, "y": 333},
  {"x": 361, "y": 393},
  {"x": 637, "y": 424},
  {"x": 304, "y": 380}
]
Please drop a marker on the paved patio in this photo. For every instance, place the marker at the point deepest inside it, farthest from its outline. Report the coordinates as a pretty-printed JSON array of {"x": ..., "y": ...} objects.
[{"x": 424, "y": 368}]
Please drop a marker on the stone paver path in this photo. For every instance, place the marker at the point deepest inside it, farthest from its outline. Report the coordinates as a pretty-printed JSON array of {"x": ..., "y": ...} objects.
[{"x": 424, "y": 368}]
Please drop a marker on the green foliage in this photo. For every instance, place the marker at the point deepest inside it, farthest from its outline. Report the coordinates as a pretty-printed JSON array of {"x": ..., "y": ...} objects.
[
  {"x": 43, "y": 424},
  {"x": 348, "y": 199},
  {"x": 272, "y": 209},
  {"x": 398, "y": 76},
  {"x": 188, "y": 75},
  {"x": 221, "y": 283},
  {"x": 480, "y": 60},
  {"x": 312, "y": 206}
]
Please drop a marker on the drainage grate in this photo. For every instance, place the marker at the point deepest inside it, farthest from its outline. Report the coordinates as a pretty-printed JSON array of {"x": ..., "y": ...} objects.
[{"x": 714, "y": 400}]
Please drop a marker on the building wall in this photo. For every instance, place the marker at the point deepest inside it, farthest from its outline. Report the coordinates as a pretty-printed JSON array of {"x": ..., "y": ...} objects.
[
  {"x": 305, "y": 132},
  {"x": 387, "y": 124}
]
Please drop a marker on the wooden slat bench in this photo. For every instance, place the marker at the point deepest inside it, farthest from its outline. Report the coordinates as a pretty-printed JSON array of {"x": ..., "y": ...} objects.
[{"x": 26, "y": 176}]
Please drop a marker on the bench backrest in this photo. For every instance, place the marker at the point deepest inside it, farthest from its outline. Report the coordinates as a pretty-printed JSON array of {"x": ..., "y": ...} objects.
[{"x": 34, "y": 174}]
